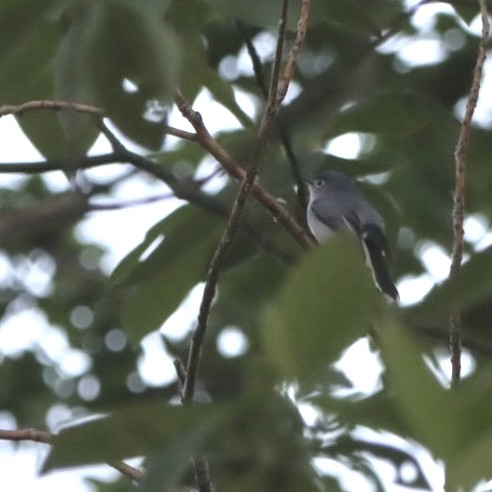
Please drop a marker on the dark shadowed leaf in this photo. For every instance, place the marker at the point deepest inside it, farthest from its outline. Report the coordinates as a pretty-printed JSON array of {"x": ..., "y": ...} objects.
[
  {"x": 133, "y": 61},
  {"x": 395, "y": 112},
  {"x": 26, "y": 72},
  {"x": 467, "y": 288},
  {"x": 419, "y": 396},
  {"x": 345, "y": 13},
  {"x": 165, "y": 467},
  {"x": 71, "y": 82},
  {"x": 131, "y": 431},
  {"x": 158, "y": 279}
]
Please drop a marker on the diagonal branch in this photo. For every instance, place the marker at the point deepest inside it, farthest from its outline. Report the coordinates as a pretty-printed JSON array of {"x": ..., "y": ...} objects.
[
  {"x": 209, "y": 291},
  {"x": 279, "y": 213},
  {"x": 458, "y": 213}
]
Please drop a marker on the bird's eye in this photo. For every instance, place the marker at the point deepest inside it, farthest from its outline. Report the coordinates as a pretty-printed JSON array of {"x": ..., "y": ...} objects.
[{"x": 319, "y": 183}]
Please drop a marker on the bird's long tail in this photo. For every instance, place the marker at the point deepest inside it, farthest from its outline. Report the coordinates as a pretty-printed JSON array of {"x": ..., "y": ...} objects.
[{"x": 375, "y": 250}]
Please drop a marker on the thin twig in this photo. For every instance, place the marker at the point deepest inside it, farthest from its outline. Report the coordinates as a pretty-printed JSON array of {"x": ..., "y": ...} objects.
[
  {"x": 202, "y": 475},
  {"x": 255, "y": 59},
  {"x": 26, "y": 435},
  {"x": 181, "y": 372},
  {"x": 44, "y": 104},
  {"x": 283, "y": 135},
  {"x": 272, "y": 105},
  {"x": 289, "y": 69},
  {"x": 396, "y": 24},
  {"x": 47, "y": 438},
  {"x": 137, "y": 202},
  {"x": 209, "y": 292},
  {"x": 56, "y": 164},
  {"x": 176, "y": 132},
  {"x": 458, "y": 213}
]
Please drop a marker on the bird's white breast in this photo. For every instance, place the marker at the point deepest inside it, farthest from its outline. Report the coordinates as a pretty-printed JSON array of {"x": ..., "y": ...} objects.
[{"x": 319, "y": 230}]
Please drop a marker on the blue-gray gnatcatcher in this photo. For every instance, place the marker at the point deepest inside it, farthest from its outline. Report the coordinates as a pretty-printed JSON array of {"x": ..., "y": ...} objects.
[{"x": 336, "y": 204}]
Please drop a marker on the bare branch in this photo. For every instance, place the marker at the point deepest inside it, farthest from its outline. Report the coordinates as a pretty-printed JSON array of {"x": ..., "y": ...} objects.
[
  {"x": 255, "y": 59},
  {"x": 176, "y": 132},
  {"x": 103, "y": 207},
  {"x": 202, "y": 475},
  {"x": 272, "y": 105},
  {"x": 181, "y": 372},
  {"x": 127, "y": 470},
  {"x": 458, "y": 213},
  {"x": 209, "y": 291},
  {"x": 56, "y": 165},
  {"x": 44, "y": 104},
  {"x": 26, "y": 435},
  {"x": 289, "y": 69}
]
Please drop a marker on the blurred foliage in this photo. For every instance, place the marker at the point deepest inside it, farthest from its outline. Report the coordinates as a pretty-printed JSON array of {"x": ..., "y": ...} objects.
[{"x": 297, "y": 316}]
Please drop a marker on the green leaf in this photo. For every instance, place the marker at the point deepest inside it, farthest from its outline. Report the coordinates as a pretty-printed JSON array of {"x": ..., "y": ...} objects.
[
  {"x": 256, "y": 13},
  {"x": 131, "y": 43},
  {"x": 468, "y": 287},
  {"x": 156, "y": 285},
  {"x": 26, "y": 73},
  {"x": 471, "y": 465},
  {"x": 71, "y": 66},
  {"x": 187, "y": 17},
  {"x": 134, "y": 430},
  {"x": 165, "y": 467},
  {"x": 433, "y": 412},
  {"x": 346, "y": 13},
  {"x": 315, "y": 317},
  {"x": 393, "y": 112},
  {"x": 379, "y": 412},
  {"x": 18, "y": 17},
  {"x": 466, "y": 10}
]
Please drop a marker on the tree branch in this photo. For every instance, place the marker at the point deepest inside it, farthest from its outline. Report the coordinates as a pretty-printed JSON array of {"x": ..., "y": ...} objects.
[
  {"x": 458, "y": 213},
  {"x": 45, "y": 104},
  {"x": 176, "y": 132},
  {"x": 272, "y": 105},
  {"x": 47, "y": 438},
  {"x": 209, "y": 292},
  {"x": 289, "y": 69}
]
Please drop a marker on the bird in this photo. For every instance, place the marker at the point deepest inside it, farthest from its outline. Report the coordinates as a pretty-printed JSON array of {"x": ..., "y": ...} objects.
[{"x": 335, "y": 205}]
